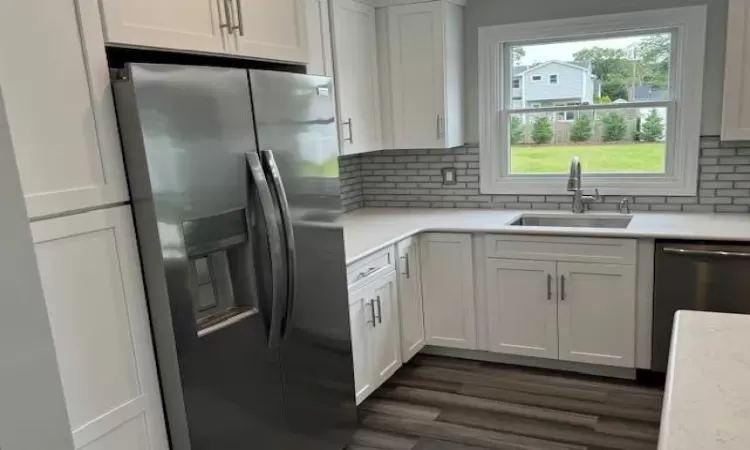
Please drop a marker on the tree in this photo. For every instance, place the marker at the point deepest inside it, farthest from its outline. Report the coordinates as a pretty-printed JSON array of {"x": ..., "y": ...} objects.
[
  {"x": 652, "y": 128},
  {"x": 518, "y": 54},
  {"x": 653, "y": 53},
  {"x": 614, "y": 127},
  {"x": 607, "y": 64},
  {"x": 516, "y": 130},
  {"x": 614, "y": 89},
  {"x": 602, "y": 99},
  {"x": 542, "y": 132},
  {"x": 581, "y": 129}
]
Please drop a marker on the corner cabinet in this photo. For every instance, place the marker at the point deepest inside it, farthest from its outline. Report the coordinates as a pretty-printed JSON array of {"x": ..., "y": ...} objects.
[
  {"x": 410, "y": 297},
  {"x": 735, "y": 124},
  {"x": 448, "y": 290},
  {"x": 424, "y": 74},
  {"x": 356, "y": 76},
  {"x": 97, "y": 310},
  {"x": 263, "y": 29},
  {"x": 63, "y": 125}
]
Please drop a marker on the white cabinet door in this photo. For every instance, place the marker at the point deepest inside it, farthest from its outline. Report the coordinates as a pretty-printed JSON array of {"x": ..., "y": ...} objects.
[
  {"x": 735, "y": 123},
  {"x": 62, "y": 122},
  {"x": 410, "y": 298},
  {"x": 448, "y": 290},
  {"x": 522, "y": 307},
  {"x": 596, "y": 313},
  {"x": 415, "y": 36},
  {"x": 97, "y": 310},
  {"x": 270, "y": 29},
  {"x": 362, "y": 321},
  {"x": 195, "y": 25},
  {"x": 386, "y": 342},
  {"x": 319, "y": 47},
  {"x": 356, "y": 76}
]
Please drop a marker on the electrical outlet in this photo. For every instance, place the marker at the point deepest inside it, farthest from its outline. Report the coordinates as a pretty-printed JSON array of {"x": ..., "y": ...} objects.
[{"x": 449, "y": 175}]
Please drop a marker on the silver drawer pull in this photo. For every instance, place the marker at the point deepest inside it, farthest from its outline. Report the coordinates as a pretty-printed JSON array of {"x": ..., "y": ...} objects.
[{"x": 367, "y": 272}]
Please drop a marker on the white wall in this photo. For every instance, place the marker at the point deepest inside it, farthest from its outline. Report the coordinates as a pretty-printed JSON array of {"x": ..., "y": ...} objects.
[
  {"x": 480, "y": 13},
  {"x": 32, "y": 406}
]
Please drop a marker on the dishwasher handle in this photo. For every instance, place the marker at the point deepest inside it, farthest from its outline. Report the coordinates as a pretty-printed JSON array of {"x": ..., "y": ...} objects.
[{"x": 708, "y": 253}]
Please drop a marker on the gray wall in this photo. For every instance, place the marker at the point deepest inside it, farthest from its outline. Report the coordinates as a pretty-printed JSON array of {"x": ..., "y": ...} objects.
[
  {"x": 32, "y": 406},
  {"x": 496, "y": 12}
]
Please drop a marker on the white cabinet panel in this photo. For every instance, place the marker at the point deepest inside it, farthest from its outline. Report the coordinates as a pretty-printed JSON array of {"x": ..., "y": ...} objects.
[
  {"x": 735, "y": 123},
  {"x": 597, "y": 313},
  {"x": 320, "y": 50},
  {"x": 356, "y": 76},
  {"x": 410, "y": 298},
  {"x": 62, "y": 122},
  {"x": 270, "y": 29},
  {"x": 361, "y": 321},
  {"x": 448, "y": 290},
  {"x": 171, "y": 24},
  {"x": 97, "y": 309},
  {"x": 387, "y": 337},
  {"x": 522, "y": 307}
]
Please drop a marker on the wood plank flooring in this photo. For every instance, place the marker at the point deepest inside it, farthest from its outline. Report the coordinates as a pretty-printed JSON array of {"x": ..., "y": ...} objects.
[{"x": 437, "y": 403}]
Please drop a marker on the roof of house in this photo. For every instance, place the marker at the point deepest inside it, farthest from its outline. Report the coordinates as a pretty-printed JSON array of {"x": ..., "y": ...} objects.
[
  {"x": 647, "y": 93},
  {"x": 520, "y": 70}
]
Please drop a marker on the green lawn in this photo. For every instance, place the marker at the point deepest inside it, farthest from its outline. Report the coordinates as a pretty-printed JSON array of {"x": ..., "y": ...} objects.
[{"x": 630, "y": 157}]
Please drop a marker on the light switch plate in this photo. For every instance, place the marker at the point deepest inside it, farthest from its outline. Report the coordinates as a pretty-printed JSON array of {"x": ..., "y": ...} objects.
[{"x": 449, "y": 175}]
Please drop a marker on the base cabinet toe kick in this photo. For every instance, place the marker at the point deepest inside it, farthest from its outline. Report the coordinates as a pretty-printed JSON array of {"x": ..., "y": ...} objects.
[{"x": 572, "y": 303}]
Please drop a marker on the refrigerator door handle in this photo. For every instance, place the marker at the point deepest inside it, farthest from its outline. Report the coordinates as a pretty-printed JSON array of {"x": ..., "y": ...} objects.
[
  {"x": 274, "y": 243},
  {"x": 291, "y": 253}
]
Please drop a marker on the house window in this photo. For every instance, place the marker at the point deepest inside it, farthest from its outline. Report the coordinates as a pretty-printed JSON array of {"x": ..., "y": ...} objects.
[
  {"x": 622, "y": 119},
  {"x": 516, "y": 83}
]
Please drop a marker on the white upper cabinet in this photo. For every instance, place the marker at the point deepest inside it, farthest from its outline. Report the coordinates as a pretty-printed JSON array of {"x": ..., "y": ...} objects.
[
  {"x": 735, "y": 123},
  {"x": 96, "y": 304},
  {"x": 410, "y": 297},
  {"x": 354, "y": 42},
  {"x": 424, "y": 75},
  {"x": 263, "y": 29},
  {"x": 60, "y": 107},
  {"x": 269, "y": 29},
  {"x": 597, "y": 313},
  {"x": 448, "y": 290},
  {"x": 319, "y": 46}
]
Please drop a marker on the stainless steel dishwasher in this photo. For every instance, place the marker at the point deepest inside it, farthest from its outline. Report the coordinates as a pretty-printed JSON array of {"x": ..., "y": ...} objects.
[{"x": 696, "y": 276}]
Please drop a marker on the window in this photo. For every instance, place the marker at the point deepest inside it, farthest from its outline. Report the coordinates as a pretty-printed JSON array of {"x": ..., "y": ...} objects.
[
  {"x": 516, "y": 83},
  {"x": 634, "y": 121}
]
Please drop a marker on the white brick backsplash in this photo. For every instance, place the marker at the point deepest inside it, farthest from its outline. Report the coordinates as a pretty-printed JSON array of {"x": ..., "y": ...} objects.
[{"x": 412, "y": 178}]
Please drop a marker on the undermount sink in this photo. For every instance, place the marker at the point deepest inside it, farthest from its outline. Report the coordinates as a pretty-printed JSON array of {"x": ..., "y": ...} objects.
[{"x": 574, "y": 222}]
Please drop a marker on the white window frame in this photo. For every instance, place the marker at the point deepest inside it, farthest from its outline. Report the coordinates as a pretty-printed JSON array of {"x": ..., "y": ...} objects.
[
  {"x": 541, "y": 77},
  {"x": 688, "y": 28},
  {"x": 557, "y": 78}
]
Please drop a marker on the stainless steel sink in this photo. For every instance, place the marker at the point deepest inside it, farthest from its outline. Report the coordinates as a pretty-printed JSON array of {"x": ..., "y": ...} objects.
[{"x": 574, "y": 222}]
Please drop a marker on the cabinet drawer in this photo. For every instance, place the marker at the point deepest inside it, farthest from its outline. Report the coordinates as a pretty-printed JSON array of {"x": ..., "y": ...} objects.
[
  {"x": 560, "y": 248},
  {"x": 362, "y": 272}
]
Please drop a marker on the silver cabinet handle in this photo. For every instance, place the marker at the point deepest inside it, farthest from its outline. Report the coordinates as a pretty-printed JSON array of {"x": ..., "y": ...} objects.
[
  {"x": 241, "y": 23},
  {"x": 366, "y": 272},
  {"x": 351, "y": 133},
  {"x": 562, "y": 287},
  {"x": 228, "y": 16},
  {"x": 380, "y": 310},
  {"x": 405, "y": 258},
  {"x": 371, "y": 304},
  {"x": 710, "y": 253},
  {"x": 549, "y": 287}
]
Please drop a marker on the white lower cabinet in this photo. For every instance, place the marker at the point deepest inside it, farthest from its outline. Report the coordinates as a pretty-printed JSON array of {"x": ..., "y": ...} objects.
[
  {"x": 448, "y": 290},
  {"x": 596, "y": 315},
  {"x": 410, "y": 297},
  {"x": 97, "y": 310},
  {"x": 522, "y": 307},
  {"x": 376, "y": 340}
]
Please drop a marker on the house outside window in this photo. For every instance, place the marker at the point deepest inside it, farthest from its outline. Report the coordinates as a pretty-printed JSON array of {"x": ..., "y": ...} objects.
[
  {"x": 633, "y": 121},
  {"x": 516, "y": 83}
]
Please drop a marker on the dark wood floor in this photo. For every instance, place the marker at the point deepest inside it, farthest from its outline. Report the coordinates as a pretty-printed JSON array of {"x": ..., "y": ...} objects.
[{"x": 436, "y": 403}]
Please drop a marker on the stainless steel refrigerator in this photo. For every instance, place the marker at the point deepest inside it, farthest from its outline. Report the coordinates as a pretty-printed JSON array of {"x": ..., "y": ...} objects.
[{"x": 234, "y": 182}]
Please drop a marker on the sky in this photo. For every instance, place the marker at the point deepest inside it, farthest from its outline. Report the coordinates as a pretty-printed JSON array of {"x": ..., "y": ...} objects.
[{"x": 563, "y": 51}]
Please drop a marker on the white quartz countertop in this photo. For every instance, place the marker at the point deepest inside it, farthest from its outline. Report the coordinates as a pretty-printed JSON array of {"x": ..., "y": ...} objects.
[
  {"x": 370, "y": 229},
  {"x": 707, "y": 400}
]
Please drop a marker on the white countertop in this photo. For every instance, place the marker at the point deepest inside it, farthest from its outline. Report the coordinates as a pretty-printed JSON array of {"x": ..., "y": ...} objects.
[
  {"x": 707, "y": 401},
  {"x": 370, "y": 229}
]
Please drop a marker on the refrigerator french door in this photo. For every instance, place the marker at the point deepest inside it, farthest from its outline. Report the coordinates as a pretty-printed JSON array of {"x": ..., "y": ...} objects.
[{"x": 234, "y": 182}]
